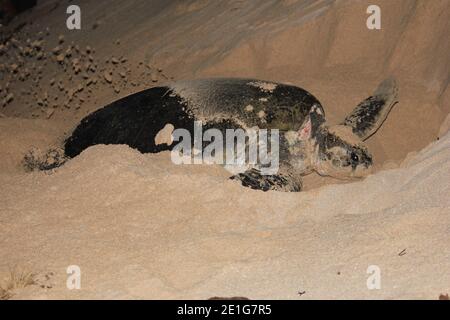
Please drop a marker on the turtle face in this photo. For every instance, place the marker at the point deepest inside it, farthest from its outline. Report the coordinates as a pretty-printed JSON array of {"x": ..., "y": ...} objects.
[{"x": 341, "y": 154}]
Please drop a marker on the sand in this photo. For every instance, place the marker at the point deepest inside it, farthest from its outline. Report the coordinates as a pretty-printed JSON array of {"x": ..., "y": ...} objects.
[{"x": 140, "y": 227}]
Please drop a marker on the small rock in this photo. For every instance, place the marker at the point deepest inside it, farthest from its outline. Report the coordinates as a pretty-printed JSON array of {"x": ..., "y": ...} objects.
[
  {"x": 9, "y": 98},
  {"x": 76, "y": 69},
  {"x": 37, "y": 45},
  {"x": 60, "y": 58},
  {"x": 153, "y": 77},
  {"x": 108, "y": 77},
  {"x": 14, "y": 68},
  {"x": 56, "y": 50}
]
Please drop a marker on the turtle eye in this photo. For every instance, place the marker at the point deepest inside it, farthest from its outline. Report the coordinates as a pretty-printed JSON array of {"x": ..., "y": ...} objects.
[{"x": 354, "y": 157}]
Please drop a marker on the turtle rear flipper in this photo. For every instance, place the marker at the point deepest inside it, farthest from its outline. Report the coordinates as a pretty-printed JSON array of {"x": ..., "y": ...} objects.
[{"x": 369, "y": 115}]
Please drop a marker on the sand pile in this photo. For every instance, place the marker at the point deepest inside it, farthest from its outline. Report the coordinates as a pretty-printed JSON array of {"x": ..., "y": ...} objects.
[{"x": 140, "y": 227}]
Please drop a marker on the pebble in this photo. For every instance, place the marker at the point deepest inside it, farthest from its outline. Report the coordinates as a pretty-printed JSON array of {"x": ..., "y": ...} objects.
[
  {"x": 9, "y": 98},
  {"x": 108, "y": 77},
  {"x": 60, "y": 57}
]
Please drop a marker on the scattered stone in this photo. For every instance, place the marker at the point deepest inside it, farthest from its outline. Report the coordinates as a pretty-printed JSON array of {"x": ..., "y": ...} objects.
[
  {"x": 261, "y": 114},
  {"x": 14, "y": 68},
  {"x": 56, "y": 50},
  {"x": 37, "y": 45},
  {"x": 9, "y": 98},
  {"x": 76, "y": 68},
  {"x": 68, "y": 52},
  {"x": 49, "y": 112},
  {"x": 61, "y": 39},
  {"x": 108, "y": 77},
  {"x": 60, "y": 58},
  {"x": 114, "y": 60},
  {"x": 154, "y": 77}
]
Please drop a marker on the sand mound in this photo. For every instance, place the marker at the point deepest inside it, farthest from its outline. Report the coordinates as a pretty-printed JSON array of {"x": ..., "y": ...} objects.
[{"x": 107, "y": 211}]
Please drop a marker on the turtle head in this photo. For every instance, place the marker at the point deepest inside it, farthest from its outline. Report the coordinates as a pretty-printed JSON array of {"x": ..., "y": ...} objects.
[
  {"x": 330, "y": 151},
  {"x": 339, "y": 153}
]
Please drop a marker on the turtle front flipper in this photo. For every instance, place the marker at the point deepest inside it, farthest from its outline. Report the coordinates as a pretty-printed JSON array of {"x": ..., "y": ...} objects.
[
  {"x": 369, "y": 115},
  {"x": 253, "y": 178}
]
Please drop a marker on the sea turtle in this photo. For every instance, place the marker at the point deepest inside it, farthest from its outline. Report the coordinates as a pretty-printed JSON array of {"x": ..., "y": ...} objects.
[{"x": 306, "y": 142}]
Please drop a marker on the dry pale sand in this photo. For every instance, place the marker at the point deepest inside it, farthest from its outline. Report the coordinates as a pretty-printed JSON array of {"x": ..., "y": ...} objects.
[{"x": 140, "y": 227}]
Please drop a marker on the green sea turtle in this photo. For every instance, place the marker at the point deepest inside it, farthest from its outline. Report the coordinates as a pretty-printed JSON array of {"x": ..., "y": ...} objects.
[{"x": 306, "y": 142}]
